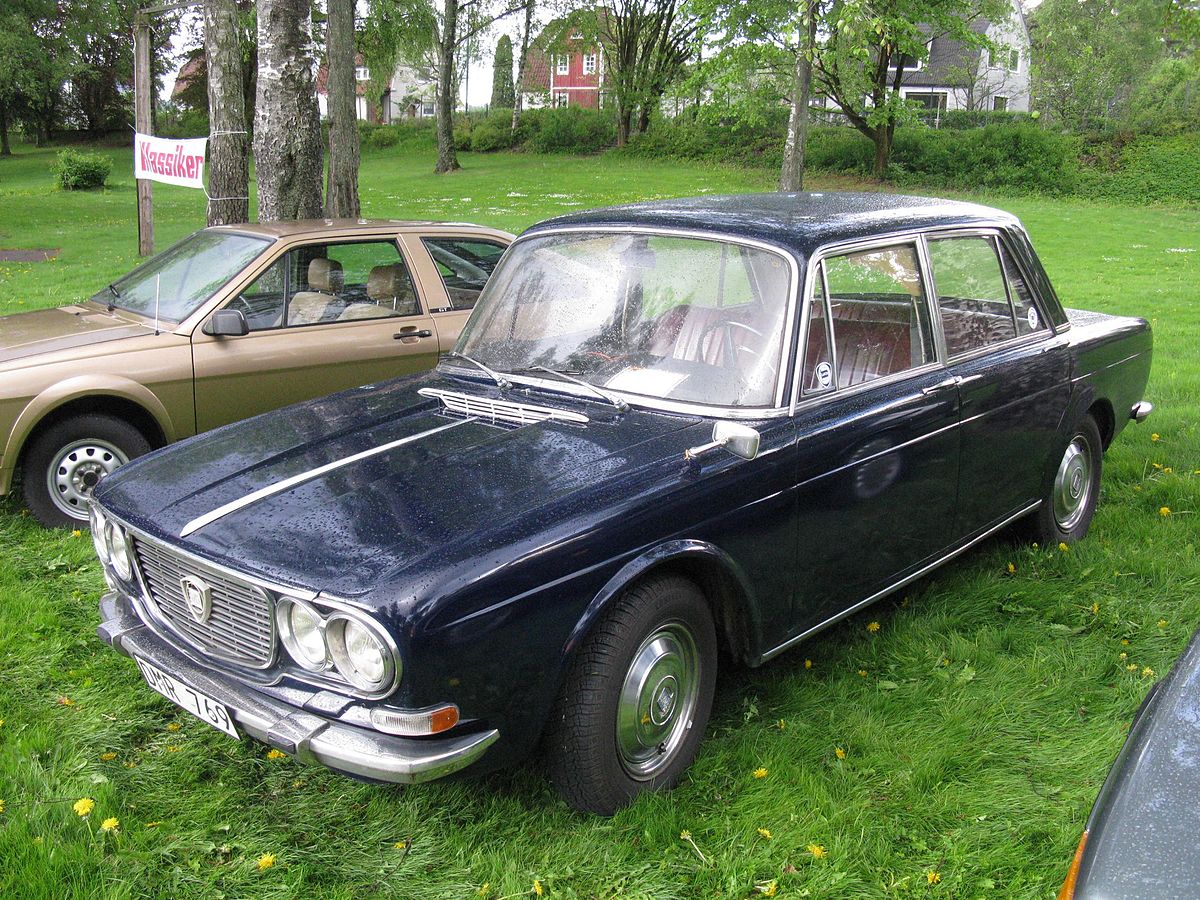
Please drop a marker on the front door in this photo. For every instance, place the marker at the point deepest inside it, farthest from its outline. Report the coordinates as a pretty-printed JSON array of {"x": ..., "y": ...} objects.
[{"x": 323, "y": 318}]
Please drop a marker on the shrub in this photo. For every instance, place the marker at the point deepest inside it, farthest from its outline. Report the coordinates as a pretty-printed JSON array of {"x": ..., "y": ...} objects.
[
  {"x": 78, "y": 170},
  {"x": 570, "y": 130},
  {"x": 493, "y": 133},
  {"x": 382, "y": 137},
  {"x": 1143, "y": 169}
]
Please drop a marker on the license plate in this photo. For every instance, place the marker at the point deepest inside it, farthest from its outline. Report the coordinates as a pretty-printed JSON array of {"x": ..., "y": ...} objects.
[{"x": 204, "y": 708}]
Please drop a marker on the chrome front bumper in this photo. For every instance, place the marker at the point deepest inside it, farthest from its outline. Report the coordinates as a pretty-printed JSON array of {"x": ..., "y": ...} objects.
[{"x": 297, "y": 732}]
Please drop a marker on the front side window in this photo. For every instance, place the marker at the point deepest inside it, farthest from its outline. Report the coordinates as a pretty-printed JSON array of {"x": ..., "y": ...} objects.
[
  {"x": 880, "y": 317},
  {"x": 971, "y": 295},
  {"x": 173, "y": 284},
  {"x": 673, "y": 318},
  {"x": 324, "y": 283},
  {"x": 464, "y": 265}
]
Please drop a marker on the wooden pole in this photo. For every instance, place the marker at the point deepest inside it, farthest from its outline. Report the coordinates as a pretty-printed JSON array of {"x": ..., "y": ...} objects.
[{"x": 143, "y": 84}]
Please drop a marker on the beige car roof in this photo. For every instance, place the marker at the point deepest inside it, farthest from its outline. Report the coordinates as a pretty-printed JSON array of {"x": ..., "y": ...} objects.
[{"x": 338, "y": 227}]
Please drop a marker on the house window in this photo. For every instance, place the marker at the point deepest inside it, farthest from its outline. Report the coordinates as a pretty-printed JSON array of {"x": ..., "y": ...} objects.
[
  {"x": 427, "y": 110},
  {"x": 362, "y": 73},
  {"x": 589, "y": 64},
  {"x": 1000, "y": 104},
  {"x": 912, "y": 63},
  {"x": 561, "y": 99},
  {"x": 1004, "y": 58},
  {"x": 934, "y": 101},
  {"x": 564, "y": 65}
]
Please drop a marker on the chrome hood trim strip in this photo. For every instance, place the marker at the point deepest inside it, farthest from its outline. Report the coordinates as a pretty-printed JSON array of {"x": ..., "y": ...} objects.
[
  {"x": 502, "y": 410},
  {"x": 288, "y": 483}
]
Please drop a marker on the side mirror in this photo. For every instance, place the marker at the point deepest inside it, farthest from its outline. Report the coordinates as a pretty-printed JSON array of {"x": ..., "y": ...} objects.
[
  {"x": 227, "y": 323},
  {"x": 740, "y": 440}
]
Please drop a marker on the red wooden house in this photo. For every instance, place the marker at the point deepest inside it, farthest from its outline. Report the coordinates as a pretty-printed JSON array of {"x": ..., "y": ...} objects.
[{"x": 562, "y": 73}]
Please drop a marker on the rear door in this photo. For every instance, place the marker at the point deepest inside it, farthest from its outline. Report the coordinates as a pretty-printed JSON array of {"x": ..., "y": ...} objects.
[
  {"x": 323, "y": 317},
  {"x": 1013, "y": 375}
]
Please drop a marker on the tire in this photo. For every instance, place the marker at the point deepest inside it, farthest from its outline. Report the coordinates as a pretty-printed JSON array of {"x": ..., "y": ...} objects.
[
  {"x": 65, "y": 461},
  {"x": 652, "y": 657},
  {"x": 1069, "y": 501}
]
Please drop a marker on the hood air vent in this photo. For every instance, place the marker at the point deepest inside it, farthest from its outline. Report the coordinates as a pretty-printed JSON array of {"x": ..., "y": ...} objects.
[{"x": 501, "y": 411}]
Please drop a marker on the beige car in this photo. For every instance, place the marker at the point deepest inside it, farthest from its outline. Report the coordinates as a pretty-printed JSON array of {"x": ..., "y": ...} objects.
[{"x": 229, "y": 322}]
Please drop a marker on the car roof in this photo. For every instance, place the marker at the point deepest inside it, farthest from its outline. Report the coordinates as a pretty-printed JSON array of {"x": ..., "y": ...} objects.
[
  {"x": 340, "y": 227},
  {"x": 800, "y": 221}
]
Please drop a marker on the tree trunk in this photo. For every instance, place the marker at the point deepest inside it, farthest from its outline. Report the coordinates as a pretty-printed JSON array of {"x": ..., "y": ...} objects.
[
  {"x": 518, "y": 102},
  {"x": 228, "y": 146},
  {"x": 341, "y": 192},
  {"x": 643, "y": 122},
  {"x": 624, "y": 122},
  {"x": 5, "y": 149},
  {"x": 287, "y": 127},
  {"x": 447, "y": 158},
  {"x": 883, "y": 151},
  {"x": 791, "y": 178}
]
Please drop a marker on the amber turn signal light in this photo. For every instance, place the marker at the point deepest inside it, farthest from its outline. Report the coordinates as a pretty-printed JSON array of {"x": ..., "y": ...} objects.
[
  {"x": 1067, "y": 891},
  {"x": 413, "y": 723}
]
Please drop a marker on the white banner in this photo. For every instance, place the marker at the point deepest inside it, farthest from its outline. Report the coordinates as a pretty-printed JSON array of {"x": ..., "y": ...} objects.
[{"x": 172, "y": 161}]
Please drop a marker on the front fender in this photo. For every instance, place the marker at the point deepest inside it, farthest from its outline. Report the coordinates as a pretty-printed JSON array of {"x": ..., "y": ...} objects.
[{"x": 75, "y": 388}]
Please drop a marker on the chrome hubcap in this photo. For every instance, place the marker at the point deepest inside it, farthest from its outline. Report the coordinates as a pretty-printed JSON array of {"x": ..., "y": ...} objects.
[
  {"x": 1073, "y": 484},
  {"x": 77, "y": 469},
  {"x": 658, "y": 701}
]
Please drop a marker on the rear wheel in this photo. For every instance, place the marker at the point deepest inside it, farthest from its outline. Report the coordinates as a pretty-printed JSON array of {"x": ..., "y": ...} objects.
[
  {"x": 65, "y": 462},
  {"x": 1070, "y": 502},
  {"x": 636, "y": 702}
]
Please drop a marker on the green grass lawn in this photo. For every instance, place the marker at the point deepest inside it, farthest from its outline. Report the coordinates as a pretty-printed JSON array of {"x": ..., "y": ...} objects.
[{"x": 953, "y": 752}]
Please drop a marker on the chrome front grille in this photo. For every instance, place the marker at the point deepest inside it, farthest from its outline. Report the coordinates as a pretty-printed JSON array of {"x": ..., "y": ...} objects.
[
  {"x": 496, "y": 411},
  {"x": 239, "y": 625}
]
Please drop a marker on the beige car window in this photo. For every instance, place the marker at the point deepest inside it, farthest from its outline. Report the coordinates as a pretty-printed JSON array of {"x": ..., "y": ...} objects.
[
  {"x": 324, "y": 283},
  {"x": 464, "y": 265}
]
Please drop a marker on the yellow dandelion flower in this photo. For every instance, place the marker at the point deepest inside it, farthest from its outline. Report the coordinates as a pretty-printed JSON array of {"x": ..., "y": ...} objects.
[
  {"x": 1012, "y": 570},
  {"x": 1157, "y": 466},
  {"x": 760, "y": 772},
  {"x": 108, "y": 756},
  {"x": 862, "y": 673},
  {"x": 685, "y": 835},
  {"x": 276, "y": 754},
  {"x": 808, "y": 664},
  {"x": 763, "y": 833},
  {"x": 112, "y": 823},
  {"x": 174, "y": 726},
  {"x": 1, "y": 723},
  {"x": 1062, "y": 546},
  {"x": 873, "y": 627},
  {"x": 1124, "y": 642},
  {"x": 1147, "y": 672},
  {"x": 933, "y": 877},
  {"x": 1162, "y": 623},
  {"x": 1137, "y": 487},
  {"x": 1167, "y": 470},
  {"x": 1156, "y": 437},
  {"x": 1, "y": 806},
  {"x": 65, "y": 701},
  {"x": 1164, "y": 511},
  {"x": 770, "y": 889},
  {"x": 1123, "y": 655},
  {"x": 173, "y": 748},
  {"x": 781, "y": 725},
  {"x": 1095, "y": 608},
  {"x": 76, "y": 533},
  {"x": 484, "y": 889},
  {"x": 538, "y": 890},
  {"x": 818, "y": 851},
  {"x": 265, "y": 861},
  {"x": 1132, "y": 667},
  {"x": 84, "y": 806},
  {"x": 839, "y": 752}
]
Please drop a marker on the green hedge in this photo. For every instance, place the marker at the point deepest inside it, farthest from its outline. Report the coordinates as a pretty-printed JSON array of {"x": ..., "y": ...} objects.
[
  {"x": 79, "y": 170},
  {"x": 1142, "y": 169}
]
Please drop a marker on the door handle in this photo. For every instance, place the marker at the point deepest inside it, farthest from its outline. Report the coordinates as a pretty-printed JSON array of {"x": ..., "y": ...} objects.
[
  {"x": 940, "y": 386},
  {"x": 411, "y": 331}
]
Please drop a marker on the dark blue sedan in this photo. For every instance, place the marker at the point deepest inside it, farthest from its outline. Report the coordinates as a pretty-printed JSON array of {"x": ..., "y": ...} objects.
[{"x": 668, "y": 430}]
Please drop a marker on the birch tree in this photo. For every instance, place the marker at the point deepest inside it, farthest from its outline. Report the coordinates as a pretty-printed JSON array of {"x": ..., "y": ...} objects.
[
  {"x": 341, "y": 193},
  {"x": 228, "y": 145},
  {"x": 287, "y": 128}
]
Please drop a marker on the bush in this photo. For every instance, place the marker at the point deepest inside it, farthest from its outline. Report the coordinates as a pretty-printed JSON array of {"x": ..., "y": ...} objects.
[
  {"x": 181, "y": 122},
  {"x": 570, "y": 130},
  {"x": 1143, "y": 169},
  {"x": 82, "y": 171}
]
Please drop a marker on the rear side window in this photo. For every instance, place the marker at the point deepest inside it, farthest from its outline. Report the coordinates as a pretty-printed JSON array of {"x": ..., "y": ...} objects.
[
  {"x": 465, "y": 266},
  {"x": 879, "y": 314},
  {"x": 972, "y": 296}
]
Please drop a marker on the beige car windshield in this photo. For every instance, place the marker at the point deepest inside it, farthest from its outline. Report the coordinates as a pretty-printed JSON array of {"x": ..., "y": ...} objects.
[
  {"x": 675, "y": 318},
  {"x": 172, "y": 284}
]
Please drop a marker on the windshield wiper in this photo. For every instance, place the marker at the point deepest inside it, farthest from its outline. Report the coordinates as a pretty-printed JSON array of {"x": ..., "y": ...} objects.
[
  {"x": 501, "y": 382},
  {"x": 616, "y": 401}
]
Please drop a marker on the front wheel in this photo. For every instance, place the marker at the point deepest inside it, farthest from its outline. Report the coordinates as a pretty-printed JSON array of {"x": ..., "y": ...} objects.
[
  {"x": 634, "y": 707},
  {"x": 66, "y": 461},
  {"x": 1070, "y": 502}
]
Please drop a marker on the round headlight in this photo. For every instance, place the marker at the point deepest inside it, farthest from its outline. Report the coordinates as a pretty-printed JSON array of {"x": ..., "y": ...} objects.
[
  {"x": 99, "y": 522},
  {"x": 118, "y": 550},
  {"x": 302, "y": 635},
  {"x": 360, "y": 655}
]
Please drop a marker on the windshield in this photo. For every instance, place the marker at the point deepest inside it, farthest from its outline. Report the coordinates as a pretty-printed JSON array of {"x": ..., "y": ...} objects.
[
  {"x": 183, "y": 276},
  {"x": 674, "y": 318}
]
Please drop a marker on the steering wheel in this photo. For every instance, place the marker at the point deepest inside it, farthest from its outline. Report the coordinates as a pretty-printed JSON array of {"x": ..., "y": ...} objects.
[
  {"x": 240, "y": 299},
  {"x": 729, "y": 349}
]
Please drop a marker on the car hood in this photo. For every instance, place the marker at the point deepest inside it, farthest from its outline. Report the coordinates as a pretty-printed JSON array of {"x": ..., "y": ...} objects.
[
  {"x": 445, "y": 488},
  {"x": 48, "y": 330}
]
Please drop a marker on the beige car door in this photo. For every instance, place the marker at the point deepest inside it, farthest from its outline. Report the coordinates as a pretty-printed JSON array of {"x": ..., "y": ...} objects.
[{"x": 322, "y": 318}]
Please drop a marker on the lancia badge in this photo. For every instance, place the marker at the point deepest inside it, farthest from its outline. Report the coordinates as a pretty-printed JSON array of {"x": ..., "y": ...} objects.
[{"x": 198, "y": 597}]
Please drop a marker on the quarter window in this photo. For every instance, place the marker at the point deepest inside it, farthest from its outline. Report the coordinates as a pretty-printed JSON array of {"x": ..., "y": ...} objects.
[
  {"x": 818, "y": 353},
  {"x": 1029, "y": 318},
  {"x": 971, "y": 294},
  {"x": 879, "y": 314},
  {"x": 324, "y": 283},
  {"x": 464, "y": 265}
]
